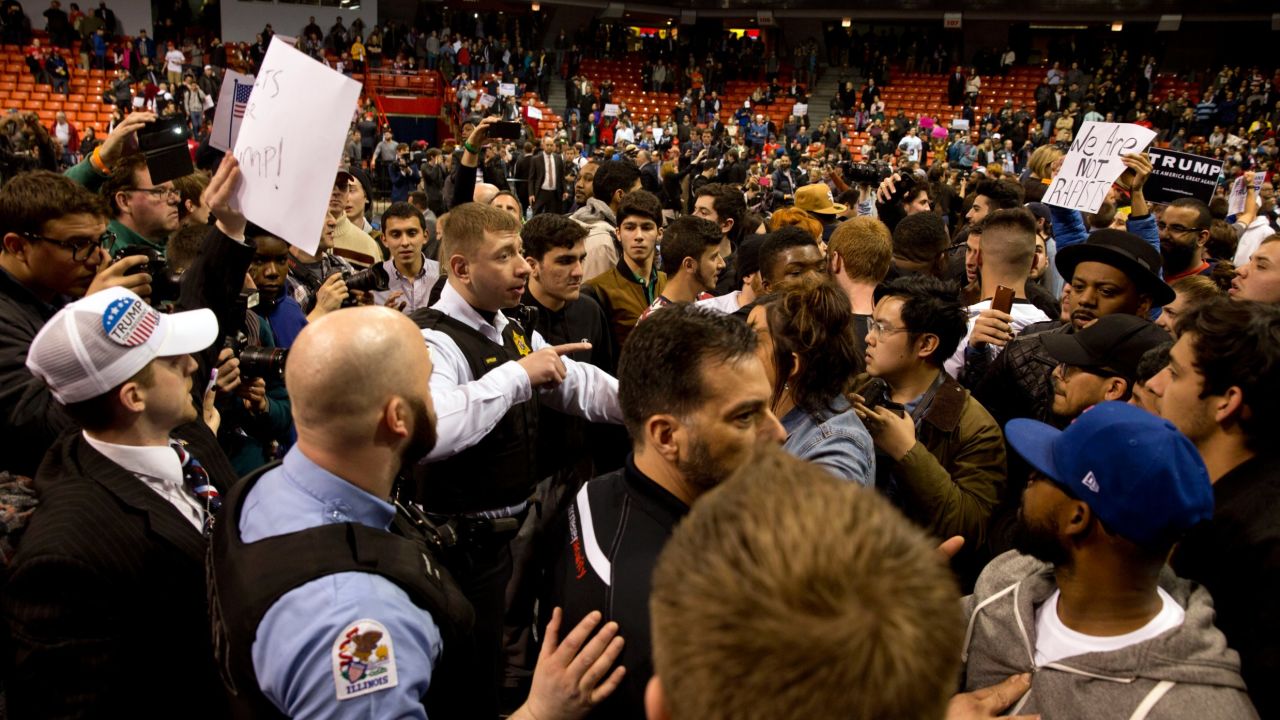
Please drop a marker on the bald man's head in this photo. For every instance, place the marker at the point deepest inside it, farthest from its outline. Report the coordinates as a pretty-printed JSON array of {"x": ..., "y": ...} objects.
[
  {"x": 350, "y": 371},
  {"x": 485, "y": 193}
]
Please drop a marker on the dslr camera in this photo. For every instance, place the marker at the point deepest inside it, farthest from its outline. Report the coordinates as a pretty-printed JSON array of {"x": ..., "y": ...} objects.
[
  {"x": 372, "y": 278},
  {"x": 164, "y": 282},
  {"x": 872, "y": 173},
  {"x": 256, "y": 361}
]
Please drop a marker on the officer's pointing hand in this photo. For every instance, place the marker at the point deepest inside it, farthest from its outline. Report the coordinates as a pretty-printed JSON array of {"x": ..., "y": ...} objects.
[{"x": 545, "y": 367}]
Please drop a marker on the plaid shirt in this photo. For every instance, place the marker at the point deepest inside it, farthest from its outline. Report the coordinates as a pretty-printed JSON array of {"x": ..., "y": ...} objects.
[{"x": 306, "y": 278}]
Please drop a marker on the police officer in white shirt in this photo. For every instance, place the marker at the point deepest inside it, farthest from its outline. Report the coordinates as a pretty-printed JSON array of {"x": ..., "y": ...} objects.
[{"x": 489, "y": 374}]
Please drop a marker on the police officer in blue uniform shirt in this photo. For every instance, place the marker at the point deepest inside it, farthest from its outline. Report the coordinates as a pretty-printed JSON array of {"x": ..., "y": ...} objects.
[
  {"x": 489, "y": 375},
  {"x": 368, "y": 641},
  {"x": 325, "y": 602}
]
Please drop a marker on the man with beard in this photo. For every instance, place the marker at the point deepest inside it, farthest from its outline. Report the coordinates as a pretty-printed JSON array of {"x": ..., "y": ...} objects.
[
  {"x": 695, "y": 400},
  {"x": 317, "y": 627},
  {"x": 1100, "y": 362},
  {"x": 583, "y": 186},
  {"x": 1086, "y": 603},
  {"x": 1113, "y": 271},
  {"x": 1184, "y": 230},
  {"x": 323, "y": 638},
  {"x": 691, "y": 260}
]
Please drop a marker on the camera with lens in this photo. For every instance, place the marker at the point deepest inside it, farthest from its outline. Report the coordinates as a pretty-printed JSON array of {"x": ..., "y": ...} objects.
[
  {"x": 164, "y": 282},
  {"x": 256, "y": 361},
  {"x": 372, "y": 278},
  {"x": 872, "y": 173}
]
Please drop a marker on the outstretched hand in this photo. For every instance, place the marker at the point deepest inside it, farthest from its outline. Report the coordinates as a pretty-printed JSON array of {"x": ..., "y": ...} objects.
[{"x": 572, "y": 677}]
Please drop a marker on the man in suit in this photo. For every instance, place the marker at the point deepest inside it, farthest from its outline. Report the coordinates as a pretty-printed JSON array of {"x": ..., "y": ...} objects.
[
  {"x": 955, "y": 87},
  {"x": 546, "y": 179},
  {"x": 107, "y": 585},
  {"x": 649, "y": 175}
]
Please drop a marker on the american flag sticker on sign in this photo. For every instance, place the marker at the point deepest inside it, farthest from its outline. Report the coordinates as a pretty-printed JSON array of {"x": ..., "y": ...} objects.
[
  {"x": 241, "y": 99},
  {"x": 232, "y": 108}
]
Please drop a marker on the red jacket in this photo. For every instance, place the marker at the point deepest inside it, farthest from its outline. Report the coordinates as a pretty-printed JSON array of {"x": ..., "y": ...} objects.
[{"x": 73, "y": 135}]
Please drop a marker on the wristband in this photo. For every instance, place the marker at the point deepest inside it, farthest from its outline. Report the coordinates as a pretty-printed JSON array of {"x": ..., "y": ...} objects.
[
  {"x": 466, "y": 145},
  {"x": 95, "y": 159}
]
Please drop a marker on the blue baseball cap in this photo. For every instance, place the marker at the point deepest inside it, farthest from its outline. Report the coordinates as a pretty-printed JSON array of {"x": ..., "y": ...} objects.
[{"x": 1143, "y": 479}]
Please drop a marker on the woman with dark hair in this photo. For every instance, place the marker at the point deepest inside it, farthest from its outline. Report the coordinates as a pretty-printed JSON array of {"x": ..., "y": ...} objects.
[{"x": 809, "y": 352}]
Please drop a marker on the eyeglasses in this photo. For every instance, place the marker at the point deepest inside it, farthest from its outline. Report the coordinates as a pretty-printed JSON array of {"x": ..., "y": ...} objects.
[
  {"x": 1177, "y": 229},
  {"x": 81, "y": 249},
  {"x": 879, "y": 329},
  {"x": 162, "y": 193}
]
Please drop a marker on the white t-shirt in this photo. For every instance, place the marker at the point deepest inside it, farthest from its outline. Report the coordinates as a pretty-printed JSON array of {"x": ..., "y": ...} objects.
[
  {"x": 1251, "y": 239},
  {"x": 911, "y": 146},
  {"x": 724, "y": 304},
  {"x": 1055, "y": 641},
  {"x": 1024, "y": 314},
  {"x": 173, "y": 60}
]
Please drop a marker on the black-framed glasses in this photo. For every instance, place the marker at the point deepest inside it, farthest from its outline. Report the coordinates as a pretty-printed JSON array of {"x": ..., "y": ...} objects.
[
  {"x": 1177, "y": 229},
  {"x": 161, "y": 193},
  {"x": 82, "y": 248}
]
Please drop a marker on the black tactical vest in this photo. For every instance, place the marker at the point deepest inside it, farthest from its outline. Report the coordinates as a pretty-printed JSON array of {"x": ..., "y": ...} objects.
[
  {"x": 502, "y": 469},
  {"x": 245, "y": 580}
]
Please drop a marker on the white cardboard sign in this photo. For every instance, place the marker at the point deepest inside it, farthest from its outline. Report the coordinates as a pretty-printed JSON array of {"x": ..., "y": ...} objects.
[
  {"x": 290, "y": 143},
  {"x": 1093, "y": 163}
]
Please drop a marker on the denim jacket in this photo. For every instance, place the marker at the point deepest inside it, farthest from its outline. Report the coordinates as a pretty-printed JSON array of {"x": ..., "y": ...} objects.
[{"x": 836, "y": 440}]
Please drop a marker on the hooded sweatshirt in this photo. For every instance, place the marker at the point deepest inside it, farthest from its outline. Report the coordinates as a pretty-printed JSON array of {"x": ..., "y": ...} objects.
[
  {"x": 601, "y": 242},
  {"x": 1185, "y": 672}
]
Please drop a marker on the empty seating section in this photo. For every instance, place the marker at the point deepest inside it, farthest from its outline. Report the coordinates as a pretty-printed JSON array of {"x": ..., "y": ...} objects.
[
  {"x": 423, "y": 82},
  {"x": 84, "y": 106},
  {"x": 923, "y": 94}
]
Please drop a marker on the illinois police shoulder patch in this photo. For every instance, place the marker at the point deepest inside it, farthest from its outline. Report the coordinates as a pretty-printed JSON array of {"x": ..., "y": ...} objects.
[{"x": 364, "y": 660}]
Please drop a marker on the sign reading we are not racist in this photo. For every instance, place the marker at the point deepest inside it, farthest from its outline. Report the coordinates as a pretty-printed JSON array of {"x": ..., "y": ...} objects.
[{"x": 1094, "y": 162}]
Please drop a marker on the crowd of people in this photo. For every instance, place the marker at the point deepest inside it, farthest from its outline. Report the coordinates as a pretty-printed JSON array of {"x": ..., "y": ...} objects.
[{"x": 719, "y": 421}]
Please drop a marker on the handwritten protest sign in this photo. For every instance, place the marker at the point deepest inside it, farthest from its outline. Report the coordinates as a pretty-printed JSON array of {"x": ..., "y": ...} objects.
[
  {"x": 1093, "y": 163},
  {"x": 800, "y": 109},
  {"x": 1236, "y": 199},
  {"x": 290, "y": 143},
  {"x": 1177, "y": 175},
  {"x": 233, "y": 98},
  {"x": 611, "y": 110}
]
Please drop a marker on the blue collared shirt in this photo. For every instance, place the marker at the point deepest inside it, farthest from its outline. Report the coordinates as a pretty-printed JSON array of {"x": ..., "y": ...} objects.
[{"x": 295, "y": 650}]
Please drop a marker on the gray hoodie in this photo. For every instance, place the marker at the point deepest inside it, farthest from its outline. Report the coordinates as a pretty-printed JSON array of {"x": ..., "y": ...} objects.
[
  {"x": 1187, "y": 672},
  {"x": 602, "y": 250}
]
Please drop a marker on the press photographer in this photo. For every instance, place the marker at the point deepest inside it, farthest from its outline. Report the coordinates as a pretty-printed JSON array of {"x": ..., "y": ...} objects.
[{"x": 51, "y": 253}]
